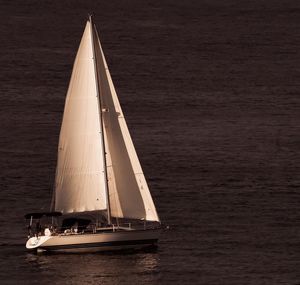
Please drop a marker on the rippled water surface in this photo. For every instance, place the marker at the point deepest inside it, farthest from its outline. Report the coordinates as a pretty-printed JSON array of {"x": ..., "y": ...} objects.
[{"x": 210, "y": 91}]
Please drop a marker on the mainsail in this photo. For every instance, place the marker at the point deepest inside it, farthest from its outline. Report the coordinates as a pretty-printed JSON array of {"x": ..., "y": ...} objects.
[
  {"x": 81, "y": 173},
  {"x": 80, "y": 180}
]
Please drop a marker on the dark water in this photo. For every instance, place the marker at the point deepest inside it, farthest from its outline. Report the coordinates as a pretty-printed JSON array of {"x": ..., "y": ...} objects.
[{"x": 211, "y": 96}]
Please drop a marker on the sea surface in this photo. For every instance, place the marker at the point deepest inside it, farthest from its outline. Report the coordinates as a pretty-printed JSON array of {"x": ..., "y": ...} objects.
[{"x": 211, "y": 93}]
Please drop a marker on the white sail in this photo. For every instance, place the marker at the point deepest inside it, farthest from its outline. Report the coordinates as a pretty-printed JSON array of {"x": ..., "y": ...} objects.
[
  {"x": 129, "y": 194},
  {"x": 80, "y": 180},
  {"x": 80, "y": 175}
]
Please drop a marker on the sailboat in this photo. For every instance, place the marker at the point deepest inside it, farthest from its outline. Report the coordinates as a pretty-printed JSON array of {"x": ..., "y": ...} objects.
[{"x": 101, "y": 200}]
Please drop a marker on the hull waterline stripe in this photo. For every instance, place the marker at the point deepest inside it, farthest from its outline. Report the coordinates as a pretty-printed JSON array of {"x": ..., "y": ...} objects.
[{"x": 99, "y": 244}]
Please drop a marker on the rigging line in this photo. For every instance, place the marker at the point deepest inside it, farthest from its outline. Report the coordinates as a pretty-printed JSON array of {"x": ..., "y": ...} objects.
[
  {"x": 98, "y": 87},
  {"x": 114, "y": 196}
]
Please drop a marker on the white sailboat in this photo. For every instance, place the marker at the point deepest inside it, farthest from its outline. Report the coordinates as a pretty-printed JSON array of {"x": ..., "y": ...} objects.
[{"x": 99, "y": 183}]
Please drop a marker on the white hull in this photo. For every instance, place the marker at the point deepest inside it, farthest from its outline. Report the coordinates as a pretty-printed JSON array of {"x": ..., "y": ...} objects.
[{"x": 104, "y": 241}]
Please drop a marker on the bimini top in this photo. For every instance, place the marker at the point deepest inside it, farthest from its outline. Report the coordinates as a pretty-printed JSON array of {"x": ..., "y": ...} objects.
[{"x": 39, "y": 215}]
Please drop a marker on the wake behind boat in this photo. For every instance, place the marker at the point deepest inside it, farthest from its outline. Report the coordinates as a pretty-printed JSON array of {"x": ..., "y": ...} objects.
[{"x": 101, "y": 200}]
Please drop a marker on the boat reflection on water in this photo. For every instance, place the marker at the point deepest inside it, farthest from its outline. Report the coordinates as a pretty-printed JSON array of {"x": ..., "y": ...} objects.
[{"x": 100, "y": 268}]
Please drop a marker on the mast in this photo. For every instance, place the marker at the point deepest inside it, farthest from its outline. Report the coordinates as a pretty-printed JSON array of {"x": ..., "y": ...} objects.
[{"x": 98, "y": 88}]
